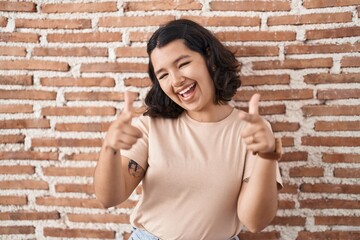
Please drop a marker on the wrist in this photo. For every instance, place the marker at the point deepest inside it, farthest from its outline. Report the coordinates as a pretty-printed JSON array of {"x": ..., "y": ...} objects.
[
  {"x": 276, "y": 154},
  {"x": 108, "y": 148}
]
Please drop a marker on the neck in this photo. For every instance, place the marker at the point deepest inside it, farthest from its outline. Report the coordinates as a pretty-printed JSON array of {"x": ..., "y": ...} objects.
[{"x": 216, "y": 114}]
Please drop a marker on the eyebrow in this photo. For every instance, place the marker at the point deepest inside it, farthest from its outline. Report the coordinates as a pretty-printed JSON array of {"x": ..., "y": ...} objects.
[{"x": 176, "y": 61}]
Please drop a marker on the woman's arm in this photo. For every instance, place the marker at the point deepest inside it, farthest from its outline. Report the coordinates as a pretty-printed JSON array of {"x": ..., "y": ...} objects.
[
  {"x": 116, "y": 176},
  {"x": 258, "y": 200}
]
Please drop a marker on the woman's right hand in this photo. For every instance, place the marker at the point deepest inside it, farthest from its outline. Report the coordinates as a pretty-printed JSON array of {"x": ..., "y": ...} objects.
[{"x": 121, "y": 134}]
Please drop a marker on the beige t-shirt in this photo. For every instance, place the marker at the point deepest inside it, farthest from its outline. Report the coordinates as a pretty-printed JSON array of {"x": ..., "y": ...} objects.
[{"x": 193, "y": 178}]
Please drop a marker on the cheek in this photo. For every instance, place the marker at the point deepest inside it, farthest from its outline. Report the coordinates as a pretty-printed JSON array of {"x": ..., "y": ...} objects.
[
  {"x": 165, "y": 85},
  {"x": 204, "y": 78},
  {"x": 199, "y": 70}
]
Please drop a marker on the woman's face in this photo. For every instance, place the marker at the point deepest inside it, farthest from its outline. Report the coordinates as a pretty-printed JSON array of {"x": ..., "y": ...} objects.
[{"x": 183, "y": 76}]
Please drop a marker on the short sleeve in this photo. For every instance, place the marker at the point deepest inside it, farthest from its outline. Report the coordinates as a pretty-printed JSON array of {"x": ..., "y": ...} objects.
[
  {"x": 278, "y": 176},
  {"x": 140, "y": 150}
]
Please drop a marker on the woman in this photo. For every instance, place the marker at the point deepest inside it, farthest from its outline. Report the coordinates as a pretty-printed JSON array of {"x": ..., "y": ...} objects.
[{"x": 205, "y": 166}]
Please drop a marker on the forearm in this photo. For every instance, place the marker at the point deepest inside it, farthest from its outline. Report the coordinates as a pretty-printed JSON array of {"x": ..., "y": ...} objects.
[
  {"x": 257, "y": 204},
  {"x": 109, "y": 183}
]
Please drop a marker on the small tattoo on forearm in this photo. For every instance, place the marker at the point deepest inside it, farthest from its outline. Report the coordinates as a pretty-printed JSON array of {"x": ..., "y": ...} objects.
[{"x": 135, "y": 169}]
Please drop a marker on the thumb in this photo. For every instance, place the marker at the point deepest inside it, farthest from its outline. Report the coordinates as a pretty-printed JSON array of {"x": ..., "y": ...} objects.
[
  {"x": 254, "y": 104},
  {"x": 129, "y": 98},
  {"x": 127, "y": 112}
]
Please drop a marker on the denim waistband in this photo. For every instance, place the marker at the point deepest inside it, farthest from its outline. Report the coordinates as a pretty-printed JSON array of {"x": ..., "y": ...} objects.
[{"x": 141, "y": 234}]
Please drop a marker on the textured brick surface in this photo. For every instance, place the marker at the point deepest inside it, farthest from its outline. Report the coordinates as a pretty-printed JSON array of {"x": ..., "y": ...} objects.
[{"x": 64, "y": 66}]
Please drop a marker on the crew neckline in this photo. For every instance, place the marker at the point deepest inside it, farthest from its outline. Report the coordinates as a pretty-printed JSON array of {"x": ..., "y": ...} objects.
[{"x": 229, "y": 116}]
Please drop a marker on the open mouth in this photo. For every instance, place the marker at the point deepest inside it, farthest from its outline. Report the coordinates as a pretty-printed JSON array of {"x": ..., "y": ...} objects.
[{"x": 187, "y": 92}]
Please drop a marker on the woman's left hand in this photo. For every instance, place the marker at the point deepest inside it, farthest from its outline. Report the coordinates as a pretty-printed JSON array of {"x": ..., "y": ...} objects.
[{"x": 257, "y": 133}]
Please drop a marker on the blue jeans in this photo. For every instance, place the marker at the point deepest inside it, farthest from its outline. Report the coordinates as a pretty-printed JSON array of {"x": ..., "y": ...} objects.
[{"x": 140, "y": 234}]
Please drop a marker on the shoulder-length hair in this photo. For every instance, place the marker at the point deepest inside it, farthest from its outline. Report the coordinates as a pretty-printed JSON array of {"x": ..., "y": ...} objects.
[{"x": 221, "y": 63}]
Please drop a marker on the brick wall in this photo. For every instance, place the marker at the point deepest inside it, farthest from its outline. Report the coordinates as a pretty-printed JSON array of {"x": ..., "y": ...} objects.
[{"x": 65, "y": 66}]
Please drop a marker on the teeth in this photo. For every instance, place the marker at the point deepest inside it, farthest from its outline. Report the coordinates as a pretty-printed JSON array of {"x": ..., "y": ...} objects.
[{"x": 187, "y": 89}]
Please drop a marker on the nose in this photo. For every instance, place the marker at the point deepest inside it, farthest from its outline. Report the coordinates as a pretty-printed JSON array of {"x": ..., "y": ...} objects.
[{"x": 177, "y": 79}]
